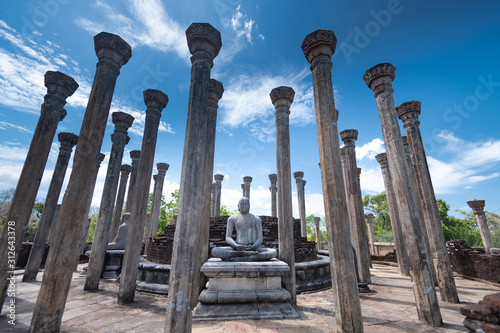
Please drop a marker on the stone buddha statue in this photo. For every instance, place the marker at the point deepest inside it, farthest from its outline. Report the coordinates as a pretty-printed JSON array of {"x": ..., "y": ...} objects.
[
  {"x": 121, "y": 236},
  {"x": 246, "y": 246}
]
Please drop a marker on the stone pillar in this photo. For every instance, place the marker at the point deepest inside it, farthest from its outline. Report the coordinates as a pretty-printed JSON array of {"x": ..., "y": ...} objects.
[
  {"x": 298, "y": 175},
  {"x": 246, "y": 186},
  {"x": 135, "y": 155},
  {"x": 215, "y": 91},
  {"x": 371, "y": 234},
  {"x": 84, "y": 230},
  {"x": 113, "y": 52},
  {"x": 59, "y": 87},
  {"x": 273, "y": 188},
  {"x": 155, "y": 101},
  {"x": 218, "y": 190},
  {"x": 212, "y": 198},
  {"x": 408, "y": 112},
  {"x": 419, "y": 205},
  {"x": 478, "y": 209},
  {"x": 119, "y": 138},
  {"x": 318, "y": 234},
  {"x": 403, "y": 264},
  {"x": 282, "y": 98},
  {"x": 204, "y": 43},
  {"x": 156, "y": 204},
  {"x": 243, "y": 192},
  {"x": 120, "y": 198},
  {"x": 147, "y": 225},
  {"x": 68, "y": 141},
  {"x": 379, "y": 78},
  {"x": 318, "y": 47},
  {"x": 359, "y": 235}
]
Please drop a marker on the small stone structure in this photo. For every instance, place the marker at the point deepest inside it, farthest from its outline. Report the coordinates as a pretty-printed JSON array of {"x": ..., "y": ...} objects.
[{"x": 484, "y": 316}]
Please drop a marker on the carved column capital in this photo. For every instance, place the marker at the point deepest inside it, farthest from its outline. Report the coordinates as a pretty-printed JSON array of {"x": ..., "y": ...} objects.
[
  {"x": 112, "y": 49},
  {"x": 477, "y": 206},
  {"x": 218, "y": 178},
  {"x": 408, "y": 112},
  {"x": 282, "y": 96},
  {"x": 162, "y": 168},
  {"x": 382, "y": 160},
  {"x": 67, "y": 140},
  {"x": 204, "y": 42},
  {"x": 379, "y": 78},
  {"x": 349, "y": 137},
  {"x": 319, "y": 47},
  {"x": 126, "y": 169}
]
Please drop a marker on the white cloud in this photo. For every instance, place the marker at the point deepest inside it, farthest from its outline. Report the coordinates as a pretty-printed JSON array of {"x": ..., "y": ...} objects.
[
  {"x": 370, "y": 150},
  {"x": 5, "y": 125}
]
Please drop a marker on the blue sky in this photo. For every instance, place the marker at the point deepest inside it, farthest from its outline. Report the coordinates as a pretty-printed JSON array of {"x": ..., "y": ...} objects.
[{"x": 446, "y": 54}]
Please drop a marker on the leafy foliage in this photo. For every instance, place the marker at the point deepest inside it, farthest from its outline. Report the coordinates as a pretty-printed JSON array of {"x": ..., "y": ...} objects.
[
  {"x": 93, "y": 223},
  {"x": 224, "y": 211},
  {"x": 459, "y": 228},
  {"x": 311, "y": 228},
  {"x": 377, "y": 204}
]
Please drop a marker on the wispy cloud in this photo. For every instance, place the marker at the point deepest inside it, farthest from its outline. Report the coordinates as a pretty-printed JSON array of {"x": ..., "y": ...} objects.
[
  {"x": 147, "y": 23},
  {"x": 5, "y": 125}
]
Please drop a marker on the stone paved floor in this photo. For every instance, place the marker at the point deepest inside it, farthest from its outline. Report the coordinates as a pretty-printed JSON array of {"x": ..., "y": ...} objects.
[{"x": 390, "y": 309}]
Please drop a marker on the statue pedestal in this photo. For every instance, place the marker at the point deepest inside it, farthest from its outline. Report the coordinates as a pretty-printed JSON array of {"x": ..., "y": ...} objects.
[
  {"x": 244, "y": 290},
  {"x": 112, "y": 264}
]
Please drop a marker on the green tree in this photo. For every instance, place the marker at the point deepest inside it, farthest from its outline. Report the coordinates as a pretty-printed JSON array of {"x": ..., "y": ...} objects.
[
  {"x": 224, "y": 211},
  {"x": 458, "y": 228},
  {"x": 377, "y": 204},
  {"x": 38, "y": 209},
  {"x": 93, "y": 223},
  {"x": 311, "y": 229}
]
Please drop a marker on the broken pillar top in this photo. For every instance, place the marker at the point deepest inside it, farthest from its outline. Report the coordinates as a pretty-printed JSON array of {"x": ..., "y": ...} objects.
[
  {"x": 219, "y": 177},
  {"x": 162, "y": 168},
  {"x": 155, "y": 98},
  {"x": 409, "y": 111},
  {"x": 273, "y": 177},
  {"x": 112, "y": 47},
  {"x": 126, "y": 168},
  {"x": 319, "y": 43},
  {"x": 205, "y": 39},
  {"x": 122, "y": 119},
  {"x": 135, "y": 155},
  {"x": 476, "y": 205},
  {"x": 382, "y": 159},
  {"x": 298, "y": 175},
  {"x": 247, "y": 179},
  {"x": 385, "y": 71},
  {"x": 216, "y": 88},
  {"x": 60, "y": 83},
  {"x": 349, "y": 136},
  {"x": 68, "y": 140},
  {"x": 282, "y": 93}
]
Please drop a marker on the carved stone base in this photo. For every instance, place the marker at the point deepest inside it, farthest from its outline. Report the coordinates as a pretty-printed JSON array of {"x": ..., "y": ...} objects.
[{"x": 112, "y": 264}]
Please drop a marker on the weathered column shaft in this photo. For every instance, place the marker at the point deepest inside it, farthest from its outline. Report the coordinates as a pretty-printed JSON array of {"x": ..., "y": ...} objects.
[
  {"x": 156, "y": 205},
  {"x": 302, "y": 201},
  {"x": 135, "y": 155},
  {"x": 59, "y": 87},
  {"x": 273, "y": 188},
  {"x": 379, "y": 78},
  {"x": 318, "y": 234},
  {"x": 215, "y": 92},
  {"x": 408, "y": 112},
  {"x": 371, "y": 234},
  {"x": 119, "y": 138},
  {"x": 155, "y": 101},
  {"x": 318, "y": 47},
  {"x": 212, "y": 199},
  {"x": 218, "y": 191},
  {"x": 204, "y": 43},
  {"x": 362, "y": 211},
  {"x": 419, "y": 206},
  {"x": 359, "y": 235},
  {"x": 246, "y": 186},
  {"x": 68, "y": 140},
  {"x": 147, "y": 226},
  {"x": 282, "y": 98},
  {"x": 113, "y": 52},
  {"x": 478, "y": 209},
  {"x": 120, "y": 198}
]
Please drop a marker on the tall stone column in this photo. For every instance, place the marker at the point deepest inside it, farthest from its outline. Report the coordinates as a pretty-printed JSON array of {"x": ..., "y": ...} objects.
[
  {"x": 155, "y": 101},
  {"x": 218, "y": 190},
  {"x": 119, "y": 138},
  {"x": 113, "y": 52},
  {"x": 212, "y": 198},
  {"x": 318, "y": 47},
  {"x": 156, "y": 205},
  {"x": 246, "y": 186},
  {"x": 359, "y": 236},
  {"x": 282, "y": 98},
  {"x": 478, "y": 209},
  {"x": 371, "y": 234},
  {"x": 135, "y": 155},
  {"x": 204, "y": 43},
  {"x": 408, "y": 112},
  {"x": 273, "y": 188},
  {"x": 120, "y": 198},
  {"x": 68, "y": 141},
  {"x": 316, "y": 220},
  {"x": 419, "y": 206},
  {"x": 215, "y": 91},
  {"x": 59, "y": 87},
  {"x": 298, "y": 175},
  {"x": 147, "y": 226},
  {"x": 404, "y": 265},
  {"x": 379, "y": 78}
]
